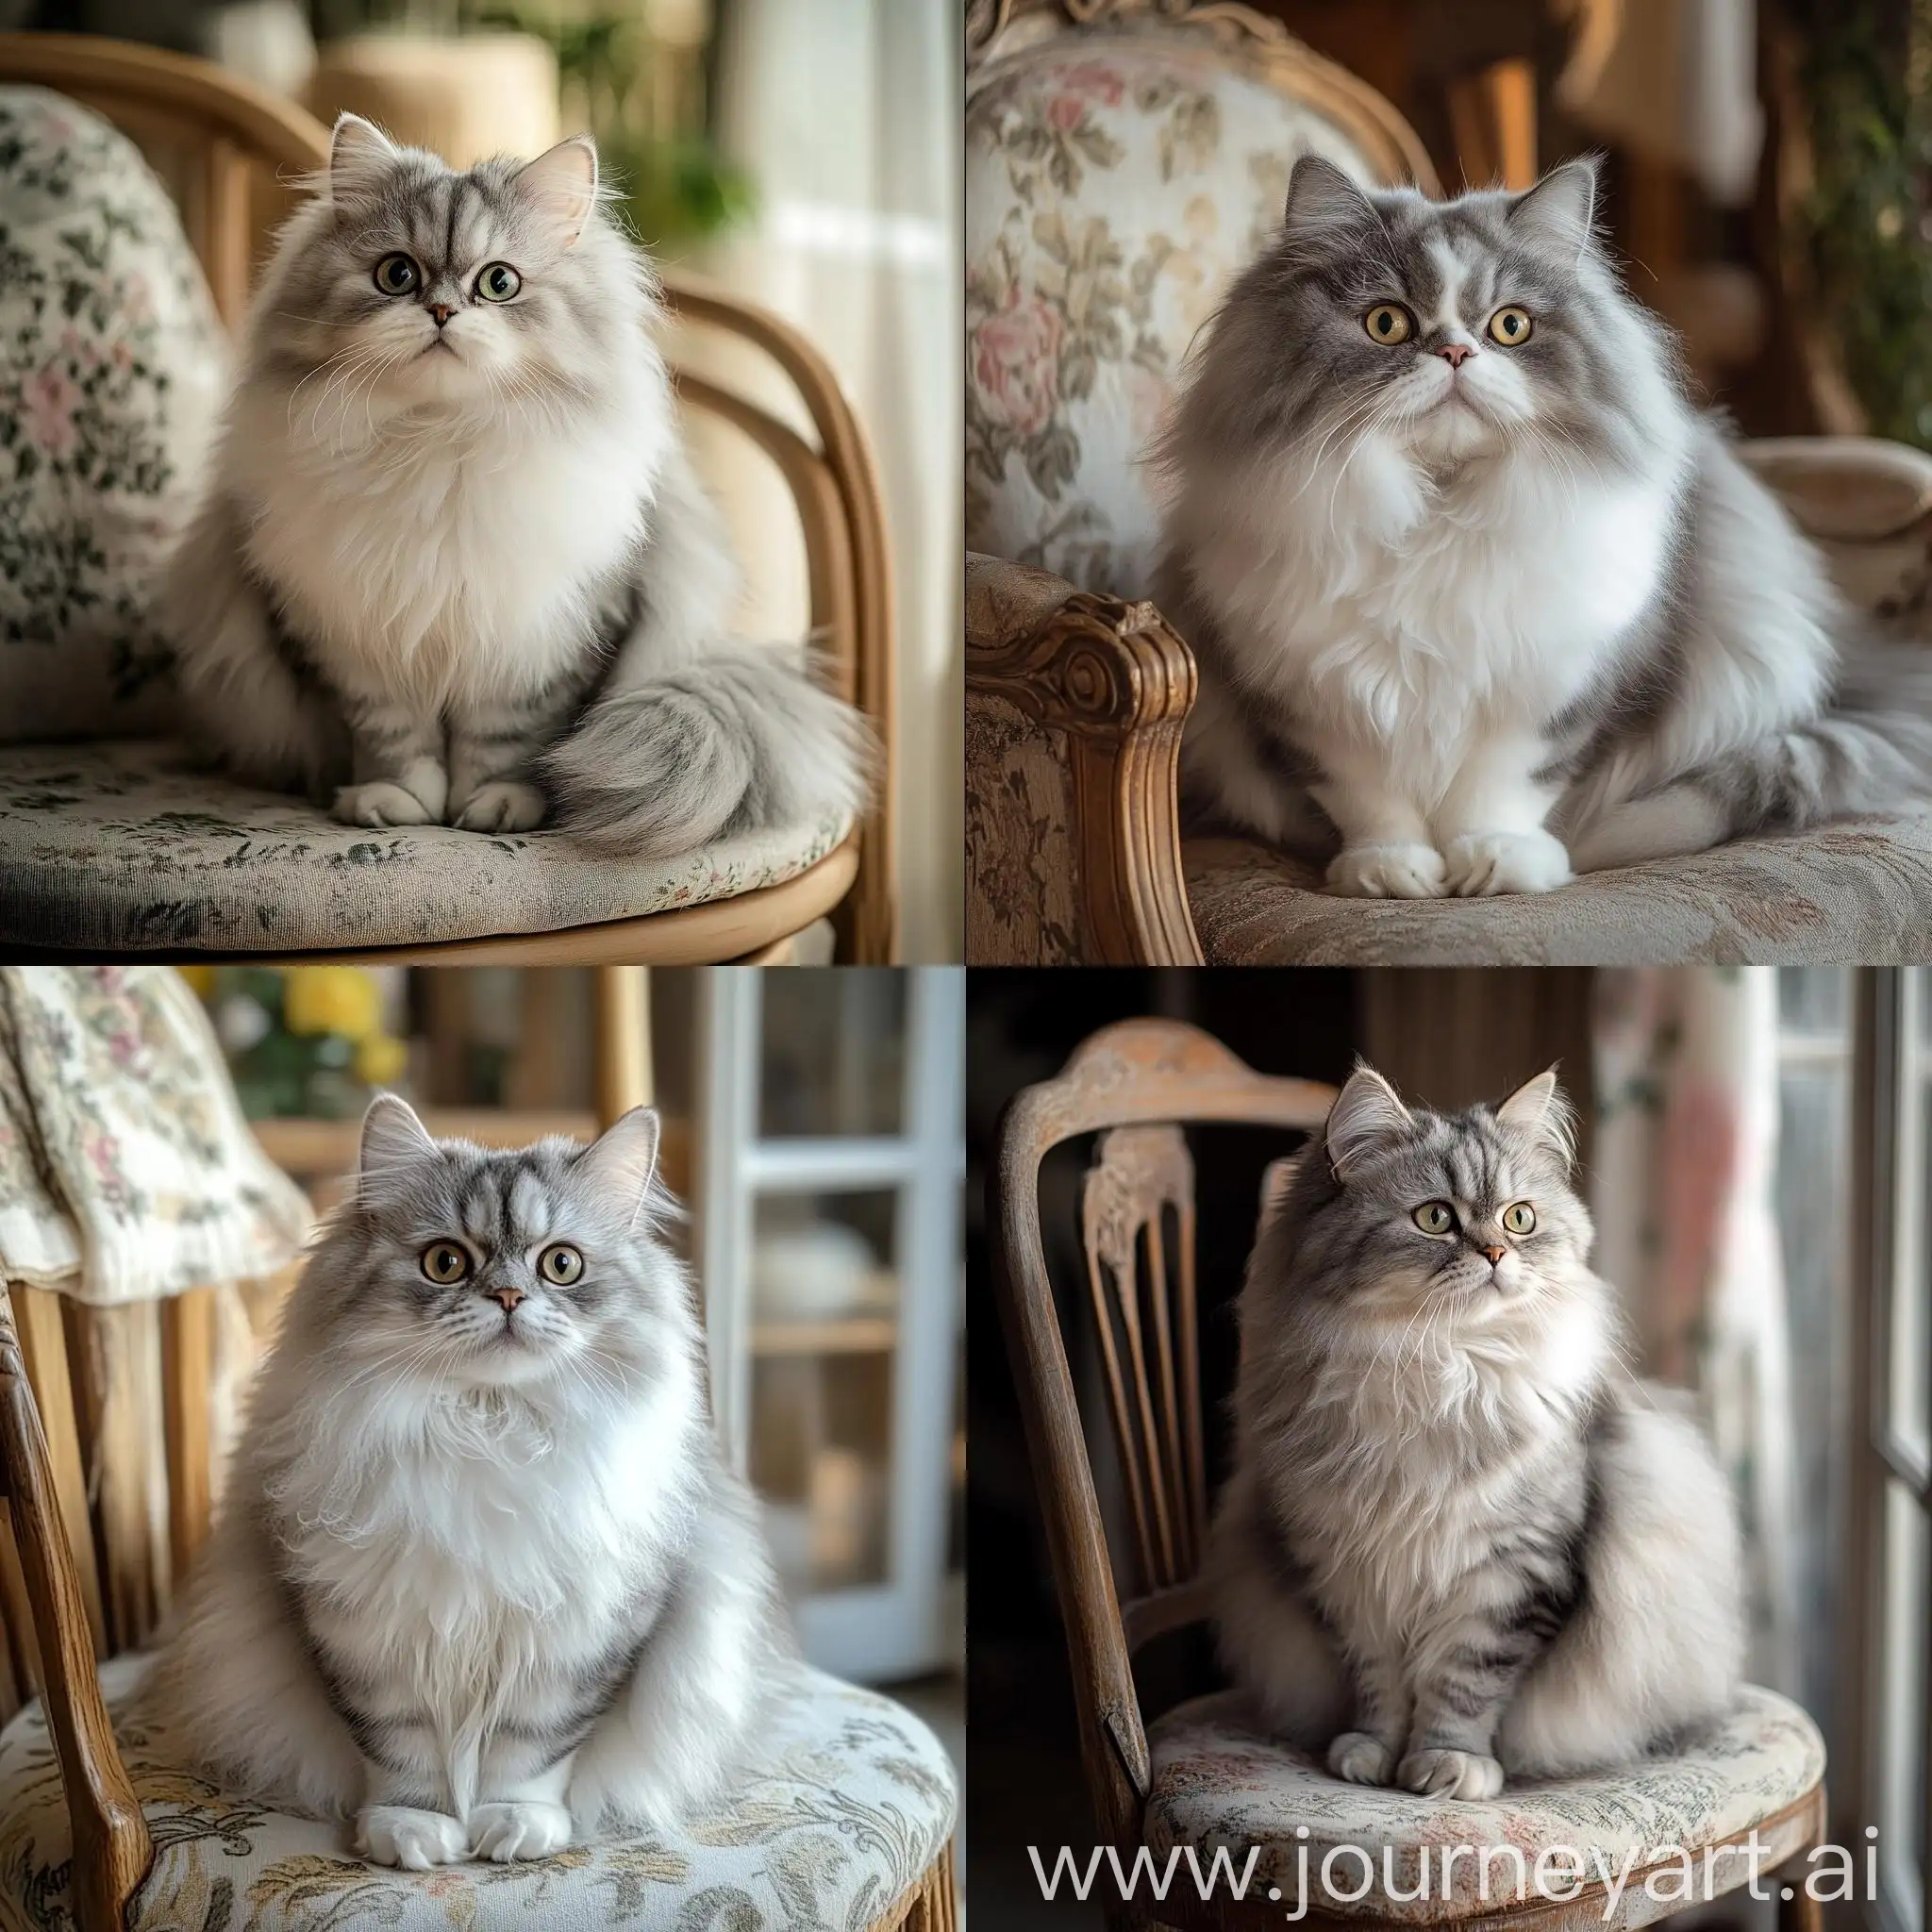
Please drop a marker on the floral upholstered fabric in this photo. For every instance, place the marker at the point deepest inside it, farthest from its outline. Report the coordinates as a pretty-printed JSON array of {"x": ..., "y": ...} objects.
[
  {"x": 1114, "y": 187},
  {"x": 127, "y": 1170},
  {"x": 859, "y": 1802},
  {"x": 1218, "y": 1780},
  {"x": 1859, "y": 890},
  {"x": 119, "y": 846},
  {"x": 112, "y": 371}
]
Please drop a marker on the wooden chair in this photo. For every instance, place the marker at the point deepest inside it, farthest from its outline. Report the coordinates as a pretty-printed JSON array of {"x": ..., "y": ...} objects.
[
  {"x": 71, "y": 1597},
  {"x": 229, "y": 150},
  {"x": 1083, "y": 256},
  {"x": 1200, "y": 1773}
]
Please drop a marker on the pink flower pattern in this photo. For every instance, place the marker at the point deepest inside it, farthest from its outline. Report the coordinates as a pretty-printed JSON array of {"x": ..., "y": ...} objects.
[
  {"x": 111, "y": 369},
  {"x": 1016, "y": 362}
]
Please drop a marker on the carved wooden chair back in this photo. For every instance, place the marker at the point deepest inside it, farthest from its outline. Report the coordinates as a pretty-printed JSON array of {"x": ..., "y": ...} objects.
[
  {"x": 230, "y": 153},
  {"x": 42, "y": 1588},
  {"x": 1134, "y": 1083}
]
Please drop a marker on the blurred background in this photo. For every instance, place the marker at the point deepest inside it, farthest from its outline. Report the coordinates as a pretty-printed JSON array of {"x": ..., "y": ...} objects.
[
  {"x": 1756, "y": 1149},
  {"x": 711, "y": 117},
  {"x": 1767, "y": 170},
  {"x": 811, "y": 1123}
]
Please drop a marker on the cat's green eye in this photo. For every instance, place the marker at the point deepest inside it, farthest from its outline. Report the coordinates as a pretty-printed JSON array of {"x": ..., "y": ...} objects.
[
  {"x": 560, "y": 1263},
  {"x": 1435, "y": 1217},
  {"x": 1388, "y": 322},
  {"x": 397, "y": 275},
  {"x": 444, "y": 1262},
  {"x": 498, "y": 282},
  {"x": 1512, "y": 327},
  {"x": 1518, "y": 1218}
]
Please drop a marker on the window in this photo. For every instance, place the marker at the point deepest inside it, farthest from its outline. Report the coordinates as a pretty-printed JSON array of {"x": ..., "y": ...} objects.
[{"x": 1884, "y": 1719}]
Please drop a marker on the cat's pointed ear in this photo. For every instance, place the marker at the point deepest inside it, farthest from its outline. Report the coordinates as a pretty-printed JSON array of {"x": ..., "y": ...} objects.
[
  {"x": 358, "y": 154},
  {"x": 1539, "y": 1107},
  {"x": 1319, "y": 195},
  {"x": 390, "y": 1134},
  {"x": 1367, "y": 1112},
  {"x": 1561, "y": 211},
  {"x": 623, "y": 1161},
  {"x": 562, "y": 181}
]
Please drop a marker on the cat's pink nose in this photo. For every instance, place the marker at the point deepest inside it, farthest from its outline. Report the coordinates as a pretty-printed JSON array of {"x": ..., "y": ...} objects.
[
  {"x": 1456, "y": 354},
  {"x": 1495, "y": 1255},
  {"x": 508, "y": 1296},
  {"x": 443, "y": 312}
]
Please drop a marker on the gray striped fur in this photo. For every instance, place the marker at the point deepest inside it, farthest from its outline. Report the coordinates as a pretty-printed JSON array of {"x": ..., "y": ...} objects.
[
  {"x": 482, "y": 1581},
  {"x": 1452, "y": 1507},
  {"x": 1474, "y": 635}
]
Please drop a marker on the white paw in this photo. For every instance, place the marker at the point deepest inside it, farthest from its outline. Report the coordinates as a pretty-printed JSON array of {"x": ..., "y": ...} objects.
[
  {"x": 381, "y": 803},
  {"x": 417, "y": 1840},
  {"x": 502, "y": 805},
  {"x": 1450, "y": 1774},
  {"x": 527, "y": 1830},
  {"x": 1387, "y": 872},
  {"x": 1481, "y": 863},
  {"x": 1360, "y": 1758}
]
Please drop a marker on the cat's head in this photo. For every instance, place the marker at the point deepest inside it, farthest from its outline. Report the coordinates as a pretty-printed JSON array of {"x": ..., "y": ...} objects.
[
  {"x": 473, "y": 1267},
  {"x": 1445, "y": 329},
  {"x": 405, "y": 282},
  {"x": 1411, "y": 1215}
]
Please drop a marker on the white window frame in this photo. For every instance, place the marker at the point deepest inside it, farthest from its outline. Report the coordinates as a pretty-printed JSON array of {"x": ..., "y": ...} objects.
[
  {"x": 896, "y": 1628},
  {"x": 1892, "y": 1067}
]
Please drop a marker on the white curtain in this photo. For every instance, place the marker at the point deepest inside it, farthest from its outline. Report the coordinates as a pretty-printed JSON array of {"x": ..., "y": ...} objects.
[
  {"x": 1685, "y": 1165},
  {"x": 847, "y": 115}
]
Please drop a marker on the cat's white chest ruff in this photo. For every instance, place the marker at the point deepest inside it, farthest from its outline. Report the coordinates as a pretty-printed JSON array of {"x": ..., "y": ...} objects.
[
  {"x": 1416, "y": 624},
  {"x": 446, "y": 568}
]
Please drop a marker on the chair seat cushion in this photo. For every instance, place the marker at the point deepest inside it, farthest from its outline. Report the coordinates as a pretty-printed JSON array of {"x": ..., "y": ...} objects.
[
  {"x": 124, "y": 844},
  {"x": 1219, "y": 1779},
  {"x": 1858, "y": 889},
  {"x": 858, "y": 1804}
]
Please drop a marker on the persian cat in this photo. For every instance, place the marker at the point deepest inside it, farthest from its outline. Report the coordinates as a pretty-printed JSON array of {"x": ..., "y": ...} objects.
[
  {"x": 1479, "y": 599},
  {"x": 480, "y": 1580},
  {"x": 1459, "y": 1541},
  {"x": 455, "y": 566}
]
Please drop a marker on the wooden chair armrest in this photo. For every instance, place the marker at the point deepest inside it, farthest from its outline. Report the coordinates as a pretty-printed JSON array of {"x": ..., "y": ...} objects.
[
  {"x": 1117, "y": 680},
  {"x": 1845, "y": 489},
  {"x": 112, "y": 1845}
]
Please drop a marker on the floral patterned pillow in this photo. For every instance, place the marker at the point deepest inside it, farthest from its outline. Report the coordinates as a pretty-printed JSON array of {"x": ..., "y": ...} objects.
[
  {"x": 113, "y": 371},
  {"x": 1112, "y": 192}
]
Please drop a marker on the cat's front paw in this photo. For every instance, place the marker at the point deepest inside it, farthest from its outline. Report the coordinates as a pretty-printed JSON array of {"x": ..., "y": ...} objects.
[
  {"x": 1361, "y": 1759},
  {"x": 1387, "y": 872},
  {"x": 528, "y": 1830},
  {"x": 380, "y": 803},
  {"x": 1483, "y": 864},
  {"x": 1450, "y": 1774},
  {"x": 417, "y": 1840},
  {"x": 502, "y": 805}
]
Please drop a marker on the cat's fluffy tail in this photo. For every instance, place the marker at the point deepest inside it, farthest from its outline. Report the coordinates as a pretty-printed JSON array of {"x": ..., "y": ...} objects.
[
  {"x": 1869, "y": 751},
  {"x": 740, "y": 739}
]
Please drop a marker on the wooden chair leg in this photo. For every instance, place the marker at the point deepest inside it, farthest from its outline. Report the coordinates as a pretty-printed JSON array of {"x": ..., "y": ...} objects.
[
  {"x": 1797, "y": 1910},
  {"x": 937, "y": 1907}
]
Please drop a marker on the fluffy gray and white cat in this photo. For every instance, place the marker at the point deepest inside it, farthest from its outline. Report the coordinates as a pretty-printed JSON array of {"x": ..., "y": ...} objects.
[
  {"x": 455, "y": 566},
  {"x": 1460, "y": 1540},
  {"x": 480, "y": 1580},
  {"x": 1477, "y": 595}
]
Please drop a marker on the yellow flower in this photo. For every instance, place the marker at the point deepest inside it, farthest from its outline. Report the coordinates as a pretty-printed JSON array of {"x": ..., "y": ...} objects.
[
  {"x": 331, "y": 999},
  {"x": 380, "y": 1061},
  {"x": 201, "y": 979}
]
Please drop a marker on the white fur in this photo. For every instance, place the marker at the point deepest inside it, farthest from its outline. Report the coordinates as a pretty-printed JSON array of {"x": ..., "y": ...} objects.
[{"x": 473, "y": 1531}]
